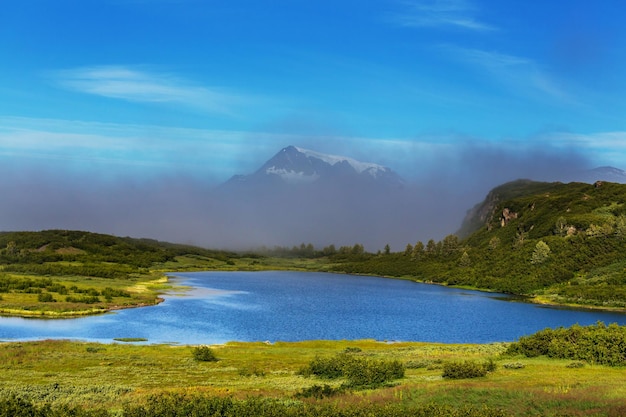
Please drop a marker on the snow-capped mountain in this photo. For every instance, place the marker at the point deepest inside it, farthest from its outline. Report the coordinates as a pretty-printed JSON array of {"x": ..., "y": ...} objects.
[
  {"x": 304, "y": 195},
  {"x": 294, "y": 165}
]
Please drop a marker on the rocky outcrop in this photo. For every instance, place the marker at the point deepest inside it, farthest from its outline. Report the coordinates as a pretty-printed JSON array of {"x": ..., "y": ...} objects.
[
  {"x": 507, "y": 216},
  {"x": 485, "y": 214}
]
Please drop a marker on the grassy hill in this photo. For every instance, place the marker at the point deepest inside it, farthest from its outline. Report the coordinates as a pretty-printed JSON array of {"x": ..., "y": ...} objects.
[
  {"x": 68, "y": 273},
  {"x": 560, "y": 243}
]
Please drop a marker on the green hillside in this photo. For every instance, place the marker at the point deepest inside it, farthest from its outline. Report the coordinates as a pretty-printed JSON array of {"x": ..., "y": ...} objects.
[
  {"x": 560, "y": 243},
  {"x": 68, "y": 273}
]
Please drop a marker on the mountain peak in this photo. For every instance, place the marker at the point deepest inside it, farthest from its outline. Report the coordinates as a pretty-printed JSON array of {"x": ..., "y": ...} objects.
[{"x": 295, "y": 165}]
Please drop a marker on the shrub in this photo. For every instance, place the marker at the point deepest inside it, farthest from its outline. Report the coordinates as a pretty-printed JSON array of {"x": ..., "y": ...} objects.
[
  {"x": 82, "y": 299},
  {"x": 467, "y": 369},
  {"x": 575, "y": 364},
  {"x": 514, "y": 365},
  {"x": 372, "y": 373},
  {"x": 46, "y": 297},
  {"x": 359, "y": 372},
  {"x": 350, "y": 349},
  {"x": 93, "y": 349},
  {"x": 319, "y": 392},
  {"x": 204, "y": 354},
  {"x": 598, "y": 343},
  {"x": 329, "y": 368}
]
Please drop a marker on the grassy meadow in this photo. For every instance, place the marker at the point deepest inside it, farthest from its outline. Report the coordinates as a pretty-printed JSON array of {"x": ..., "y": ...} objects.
[{"x": 118, "y": 376}]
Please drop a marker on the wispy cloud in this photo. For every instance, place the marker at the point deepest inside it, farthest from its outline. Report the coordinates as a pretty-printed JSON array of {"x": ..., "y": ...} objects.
[
  {"x": 459, "y": 14},
  {"x": 137, "y": 85},
  {"x": 92, "y": 146},
  {"x": 519, "y": 74},
  {"x": 218, "y": 154},
  {"x": 608, "y": 148}
]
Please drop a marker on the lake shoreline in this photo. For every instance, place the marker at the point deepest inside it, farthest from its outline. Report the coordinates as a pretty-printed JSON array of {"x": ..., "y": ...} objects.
[
  {"x": 530, "y": 299},
  {"x": 215, "y": 307},
  {"x": 182, "y": 290}
]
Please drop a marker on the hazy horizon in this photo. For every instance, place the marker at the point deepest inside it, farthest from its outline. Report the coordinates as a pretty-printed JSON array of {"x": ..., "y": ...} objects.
[
  {"x": 121, "y": 116},
  {"x": 187, "y": 210}
]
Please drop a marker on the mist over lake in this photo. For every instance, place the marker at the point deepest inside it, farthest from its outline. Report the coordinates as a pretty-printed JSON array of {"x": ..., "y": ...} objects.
[{"x": 293, "y": 306}]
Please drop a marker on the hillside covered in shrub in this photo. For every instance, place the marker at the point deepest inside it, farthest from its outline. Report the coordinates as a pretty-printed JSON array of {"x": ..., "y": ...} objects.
[
  {"x": 561, "y": 243},
  {"x": 66, "y": 273}
]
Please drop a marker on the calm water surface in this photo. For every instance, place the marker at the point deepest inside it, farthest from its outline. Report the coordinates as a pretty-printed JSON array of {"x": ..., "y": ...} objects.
[{"x": 291, "y": 306}]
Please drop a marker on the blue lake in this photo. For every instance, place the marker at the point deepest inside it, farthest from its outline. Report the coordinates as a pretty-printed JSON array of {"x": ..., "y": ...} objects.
[{"x": 291, "y": 306}]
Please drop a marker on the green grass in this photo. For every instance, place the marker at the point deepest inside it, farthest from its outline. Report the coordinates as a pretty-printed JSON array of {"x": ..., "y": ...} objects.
[
  {"x": 142, "y": 291},
  {"x": 115, "y": 375}
]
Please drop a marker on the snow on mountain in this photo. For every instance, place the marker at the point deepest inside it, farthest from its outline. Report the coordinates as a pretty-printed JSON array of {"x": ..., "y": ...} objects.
[
  {"x": 358, "y": 166},
  {"x": 294, "y": 165}
]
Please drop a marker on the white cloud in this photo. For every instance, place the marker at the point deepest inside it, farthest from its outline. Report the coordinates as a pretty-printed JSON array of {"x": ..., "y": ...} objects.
[
  {"x": 442, "y": 13},
  {"x": 135, "y": 85},
  {"x": 518, "y": 74}
]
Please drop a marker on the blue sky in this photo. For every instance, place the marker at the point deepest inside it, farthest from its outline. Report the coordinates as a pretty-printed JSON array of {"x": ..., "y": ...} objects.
[{"x": 208, "y": 89}]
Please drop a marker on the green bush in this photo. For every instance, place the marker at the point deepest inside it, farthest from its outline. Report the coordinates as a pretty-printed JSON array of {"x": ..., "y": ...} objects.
[
  {"x": 371, "y": 373},
  {"x": 601, "y": 344},
  {"x": 45, "y": 297},
  {"x": 467, "y": 369},
  {"x": 204, "y": 354},
  {"x": 319, "y": 392},
  {"x": 351, "y": 349},
  {"x": 329, "y": 368},
  {"x": 513, "y": 365},
  {"x": 359, "y": 372}
]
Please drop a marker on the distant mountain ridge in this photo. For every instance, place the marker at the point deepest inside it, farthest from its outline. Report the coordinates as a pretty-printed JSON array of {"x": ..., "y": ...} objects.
[
  {"x": 605, "y": 173},
  {"x": 296, "y": 166}
]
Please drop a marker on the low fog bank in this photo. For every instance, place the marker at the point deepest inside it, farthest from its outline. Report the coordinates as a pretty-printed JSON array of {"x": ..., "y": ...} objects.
[{"x": 186, "y": 210}]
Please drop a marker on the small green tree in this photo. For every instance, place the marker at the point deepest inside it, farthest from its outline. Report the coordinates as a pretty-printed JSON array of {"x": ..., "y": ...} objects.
[
  {"x": 204, "y": 354},
  {"x": 431, "y": 248},
  {"x": 418, "y": 250},
  {"x": 561, "y": 226},
  {"x": 465, "y": 260},
  {"x": 541, "y": 253},
  {"x": 408, "y": 249},
  {"x": 358, "y": 249},
  {"x": 494, "y": 242},
  {"x": 450, "y": 244}
]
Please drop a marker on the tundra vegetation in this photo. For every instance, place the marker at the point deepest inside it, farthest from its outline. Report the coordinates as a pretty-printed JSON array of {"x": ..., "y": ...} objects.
[
  {"x": 555, "y": 243},
  {"x": 313, "y": 378}
]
